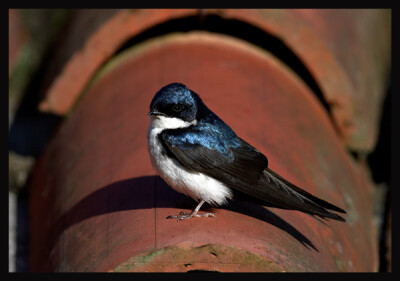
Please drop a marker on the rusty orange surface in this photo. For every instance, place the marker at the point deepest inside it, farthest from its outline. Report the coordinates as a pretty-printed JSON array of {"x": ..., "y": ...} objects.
[
  {"x": 338, "y": 46},
  {"x": 97, "y": 204},
  {"x": 346, "y": 51},
  {"x": 99, "y": 47}
]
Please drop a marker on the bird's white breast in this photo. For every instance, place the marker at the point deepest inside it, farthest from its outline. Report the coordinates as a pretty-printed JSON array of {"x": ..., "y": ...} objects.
[{"x": 196, "y": 185}]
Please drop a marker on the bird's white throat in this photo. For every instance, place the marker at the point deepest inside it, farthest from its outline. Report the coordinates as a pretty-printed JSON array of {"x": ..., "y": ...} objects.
[{"x": 164, "y": 122}]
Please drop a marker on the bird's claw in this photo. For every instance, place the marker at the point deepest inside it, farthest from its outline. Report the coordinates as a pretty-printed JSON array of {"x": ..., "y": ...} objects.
[
  {"x": 205, "y": 215},
  {"x": 185, "y": 216}
]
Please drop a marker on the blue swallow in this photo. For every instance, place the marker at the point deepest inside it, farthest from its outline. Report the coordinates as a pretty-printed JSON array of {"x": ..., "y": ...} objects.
[{"x": 197, "y": 154}]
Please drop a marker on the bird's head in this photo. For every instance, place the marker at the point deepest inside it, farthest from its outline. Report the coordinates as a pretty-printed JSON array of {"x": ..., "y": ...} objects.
[{"x": 175, "y": 101}]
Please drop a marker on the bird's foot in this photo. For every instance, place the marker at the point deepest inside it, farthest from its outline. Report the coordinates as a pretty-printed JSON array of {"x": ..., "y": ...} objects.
[{"x": 185, "y": 216}]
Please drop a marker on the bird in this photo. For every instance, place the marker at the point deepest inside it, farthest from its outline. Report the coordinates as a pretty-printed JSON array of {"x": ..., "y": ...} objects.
[{"x": 199, "y": 155}]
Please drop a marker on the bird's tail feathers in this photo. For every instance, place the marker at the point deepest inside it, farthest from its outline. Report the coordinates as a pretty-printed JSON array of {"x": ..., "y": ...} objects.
[{"x": 301, "y": 200}]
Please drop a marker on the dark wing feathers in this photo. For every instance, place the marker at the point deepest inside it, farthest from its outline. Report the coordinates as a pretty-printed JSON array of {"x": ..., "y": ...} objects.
[
  {"x": 243, "y": 163},
  {"x": 309, "y": 196},
  {"x": 245, "y": 170}
]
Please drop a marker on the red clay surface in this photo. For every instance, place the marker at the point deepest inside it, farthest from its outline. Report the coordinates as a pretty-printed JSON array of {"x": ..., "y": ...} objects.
[
  {"x": 97, "y": 204},
  {"x": 346, "y": 51}
]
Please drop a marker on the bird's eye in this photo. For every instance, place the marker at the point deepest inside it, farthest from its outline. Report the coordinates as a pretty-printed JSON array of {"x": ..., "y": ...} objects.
[{"x": 177, "y": 107}]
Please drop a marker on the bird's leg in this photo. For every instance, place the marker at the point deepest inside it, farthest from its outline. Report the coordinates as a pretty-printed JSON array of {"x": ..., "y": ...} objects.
[{"x": 184, "y": 215}]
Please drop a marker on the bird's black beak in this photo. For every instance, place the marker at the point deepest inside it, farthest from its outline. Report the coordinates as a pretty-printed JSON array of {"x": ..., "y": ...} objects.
[{"x": 156, "y": 113}]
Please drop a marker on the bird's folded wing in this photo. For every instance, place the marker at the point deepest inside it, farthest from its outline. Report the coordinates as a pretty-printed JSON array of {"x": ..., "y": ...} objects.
[
  {"x": 242, "y": 168},
  {"x": 235, "y": 166}
]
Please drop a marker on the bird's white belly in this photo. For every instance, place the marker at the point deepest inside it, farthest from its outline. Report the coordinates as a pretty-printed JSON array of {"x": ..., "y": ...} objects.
[{"x": 196, "y": 185}]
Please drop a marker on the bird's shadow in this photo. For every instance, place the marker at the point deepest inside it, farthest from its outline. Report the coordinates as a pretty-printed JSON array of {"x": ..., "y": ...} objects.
[{"x": 149, "y": 192}]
